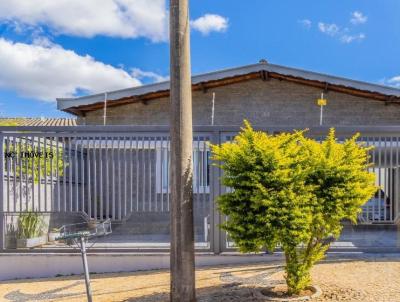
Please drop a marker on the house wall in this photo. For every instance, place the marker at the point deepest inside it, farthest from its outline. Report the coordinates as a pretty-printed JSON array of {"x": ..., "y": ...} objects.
[{"x": 263, "y": 103}]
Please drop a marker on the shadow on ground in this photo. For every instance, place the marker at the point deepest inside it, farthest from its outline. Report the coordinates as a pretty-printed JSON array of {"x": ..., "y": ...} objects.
[
  {"x": 223, "y": 293},
  {"x": 18, "y": 296}
]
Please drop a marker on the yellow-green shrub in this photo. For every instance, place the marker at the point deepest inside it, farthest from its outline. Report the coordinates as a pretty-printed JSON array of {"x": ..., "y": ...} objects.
[{"x": 291, "y": 191}]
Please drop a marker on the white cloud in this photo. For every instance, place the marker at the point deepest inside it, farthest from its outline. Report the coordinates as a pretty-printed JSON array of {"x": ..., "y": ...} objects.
[
  {"x": 48, "y": 72},
  {"x": 88, "y": 18},
  {"x": 209, "y": 23},
  {"x": 395, "y": 81},
  {"x": 329, "y": 29},
  {"x": 358, "y": 18},
  {"x": 140, "y": 74},
  {"x": 351, "y": 38},
  {"x": 43, "y": 41},
  {"x": 306, "y": 23},
  {"x": 342, "y": 34}
]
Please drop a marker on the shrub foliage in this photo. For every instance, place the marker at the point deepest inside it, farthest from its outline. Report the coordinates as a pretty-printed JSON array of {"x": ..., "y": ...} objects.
[{"x": 291, "y": 191}]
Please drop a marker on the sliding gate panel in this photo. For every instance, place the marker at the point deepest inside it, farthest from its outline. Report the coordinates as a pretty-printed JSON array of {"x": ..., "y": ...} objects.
[
  {"x": 103, "y": 174},
  {"x": 383, "y": 207},
  {"x": 41, "y": 173}
]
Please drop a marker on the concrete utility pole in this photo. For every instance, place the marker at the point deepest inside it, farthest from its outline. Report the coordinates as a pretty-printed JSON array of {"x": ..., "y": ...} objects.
[{"x": 182, "y": 233}]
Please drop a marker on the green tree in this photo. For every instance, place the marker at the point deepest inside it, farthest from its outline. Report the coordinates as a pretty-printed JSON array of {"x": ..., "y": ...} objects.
[
  {"x": 291, "y": 191},
  {"x": 31, "y": 160},
  {"x": 9, "y": 122}
]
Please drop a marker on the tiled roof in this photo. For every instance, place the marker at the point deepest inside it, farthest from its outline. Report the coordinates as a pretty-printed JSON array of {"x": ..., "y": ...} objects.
[{"x": 38, "y": 121}]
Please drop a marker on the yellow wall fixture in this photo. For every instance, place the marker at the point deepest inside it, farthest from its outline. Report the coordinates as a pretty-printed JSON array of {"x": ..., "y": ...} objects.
[{"x": 321, "y": 102}]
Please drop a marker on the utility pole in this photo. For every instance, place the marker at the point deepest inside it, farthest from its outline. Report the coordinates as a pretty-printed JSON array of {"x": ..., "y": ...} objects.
[{"x": 181, "y": 131}]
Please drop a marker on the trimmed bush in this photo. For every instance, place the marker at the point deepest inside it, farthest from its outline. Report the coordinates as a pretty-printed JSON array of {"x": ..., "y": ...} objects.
[{"x": 292, "y": 191}]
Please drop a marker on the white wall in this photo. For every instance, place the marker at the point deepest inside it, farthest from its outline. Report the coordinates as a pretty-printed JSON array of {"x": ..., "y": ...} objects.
[{"x": 24, "y": 265}]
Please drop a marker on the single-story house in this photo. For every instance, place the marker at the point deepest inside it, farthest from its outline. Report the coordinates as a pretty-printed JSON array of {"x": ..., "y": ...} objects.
[
  {"x": 263, "y": 93},
  {"x": 267, "y": 95},
  {"x": 122, "y": 172}
]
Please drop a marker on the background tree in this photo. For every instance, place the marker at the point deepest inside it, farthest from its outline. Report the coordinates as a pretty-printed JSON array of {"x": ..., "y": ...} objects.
[
  {"x": 29, "y": 161},
  {"x": 293, "y": 192}
]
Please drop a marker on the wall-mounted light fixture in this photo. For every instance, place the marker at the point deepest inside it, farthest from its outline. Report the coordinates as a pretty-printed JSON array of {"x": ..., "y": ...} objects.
[{"x": 321, "y": 102}]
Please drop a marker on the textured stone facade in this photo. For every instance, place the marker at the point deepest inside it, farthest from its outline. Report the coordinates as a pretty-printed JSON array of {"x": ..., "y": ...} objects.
[{"x": 263, "y": 103}]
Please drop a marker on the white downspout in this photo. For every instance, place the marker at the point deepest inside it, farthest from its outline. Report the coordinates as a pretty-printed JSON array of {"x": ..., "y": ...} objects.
[
  {"x": 322, "y": 111},
  {"x": 212, "y": 109},
  {"x": 105, "y": 109}
]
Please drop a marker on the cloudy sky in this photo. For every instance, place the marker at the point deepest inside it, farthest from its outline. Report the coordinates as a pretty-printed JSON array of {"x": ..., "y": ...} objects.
[{"x": 64, "y": 48}]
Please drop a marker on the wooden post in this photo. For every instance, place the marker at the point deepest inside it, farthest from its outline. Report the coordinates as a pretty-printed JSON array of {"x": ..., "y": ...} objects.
[{"x": 182, "y": 233}]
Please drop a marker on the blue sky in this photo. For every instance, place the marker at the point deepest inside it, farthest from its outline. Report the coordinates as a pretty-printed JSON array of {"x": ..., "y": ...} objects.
[{"x": 63, "y": 48}]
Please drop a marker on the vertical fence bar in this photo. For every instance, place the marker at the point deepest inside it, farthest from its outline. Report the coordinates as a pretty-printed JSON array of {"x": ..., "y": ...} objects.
[
  {"x": 26, "y": 174},
  {"x": 76, "y": 177},
  {"x": 162, "y": 173},
  {"x": 20, "y": 173},
  {"x": 206, "y": 172},
  {"x": 2, "y": 216},
  {"x": 369, "y": 212},
  {"x": 45, "y": 171},
  {"x": 168, "y": 172},
  {"x": 33, "y": 171},
  {"x": 95, "y": 197},
  {"x": 156, "y": 173},
  {"x": 107, "y": 180},
  {"x": 83, "y": 204},
  {"x": 118, "y": 214},
  {"x": 380, "y": 178},
  {"x": 101, "y": 177},
  {"x": 15, "y": 174},
  {"x": 151, "y": 201},
  {"x": 143, "y": 199},
  {"x": 374, "y": 171},
  {"x": 39, "y": 206},
  {"x": 64, "y": 166},
  {"x": 197, "y": 168},
  {"x": 131, "y": 172},
  {"x": 51, "y": 175},
  {"x": 113, "y": 178},
  {"x": 89, "y": 177},
  {"x": 215, "y": 191},
  {"x": 8, "y": 172},
  {"x": 70, "y": 172},
  {"x": 58, "y": 173},
  {"x": 206, "y": 185},
  {"x": 125, "y": 177},
  {"x": 386, "y": 179},
  {"x": 137, "y": 171}
]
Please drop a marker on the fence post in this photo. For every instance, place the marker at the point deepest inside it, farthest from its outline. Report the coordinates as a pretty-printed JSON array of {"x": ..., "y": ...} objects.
[
  {"x": 2, "y": 222},
  {"x": 215, "y": 192}
]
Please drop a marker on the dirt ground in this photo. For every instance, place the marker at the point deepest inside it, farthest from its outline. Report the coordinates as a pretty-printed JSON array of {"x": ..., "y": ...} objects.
[{"x": 339, "y": 280}]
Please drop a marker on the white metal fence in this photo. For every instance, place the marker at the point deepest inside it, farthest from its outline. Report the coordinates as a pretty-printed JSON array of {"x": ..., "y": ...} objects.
[{"x": 115, "y": 172}]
